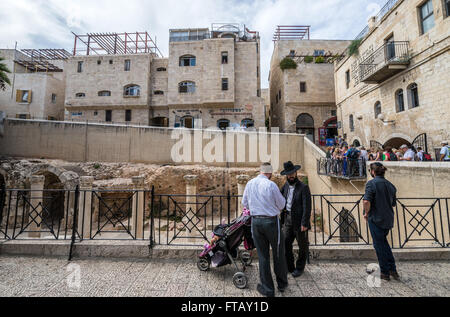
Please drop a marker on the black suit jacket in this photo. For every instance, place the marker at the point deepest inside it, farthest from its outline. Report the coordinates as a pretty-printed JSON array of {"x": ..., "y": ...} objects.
[{"x": 301, "y": 204}]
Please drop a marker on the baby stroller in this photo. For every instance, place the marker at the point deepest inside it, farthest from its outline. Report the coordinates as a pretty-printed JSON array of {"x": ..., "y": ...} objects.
[{"x": 224, "y": 248}]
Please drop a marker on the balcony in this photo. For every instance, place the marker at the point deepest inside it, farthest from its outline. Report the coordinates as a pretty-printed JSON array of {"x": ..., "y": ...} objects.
[
  {"x": 385, "y": 62},
  {"x": 348, "y": 169}
]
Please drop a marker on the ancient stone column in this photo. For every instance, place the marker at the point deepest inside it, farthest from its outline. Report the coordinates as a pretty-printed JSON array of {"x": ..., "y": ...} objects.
[
  {"x": 242, "y": 181},
  {"x": 191, "y": 206},
  {"x": 85, "y": 207},
  {"x": 137, "y": 215},
  {"x": 37, "y": 194}
]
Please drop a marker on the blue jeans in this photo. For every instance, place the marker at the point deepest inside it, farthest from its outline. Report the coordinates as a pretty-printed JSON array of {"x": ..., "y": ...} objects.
[
  {"x": 382, "y": 248},
  {"x": 265, "y": 235}
]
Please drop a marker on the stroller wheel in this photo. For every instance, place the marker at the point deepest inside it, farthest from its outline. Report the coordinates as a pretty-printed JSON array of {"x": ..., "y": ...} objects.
[
  {"x": 240, "y": 280},
  {"x": 203, "y": 264},
  {"x": 246, "y": 258}
]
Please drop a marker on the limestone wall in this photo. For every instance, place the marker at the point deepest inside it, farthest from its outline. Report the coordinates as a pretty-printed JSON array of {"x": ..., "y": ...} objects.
[
  {"x": 429, "y": 69},
  {"x": 79, "y": 142}
]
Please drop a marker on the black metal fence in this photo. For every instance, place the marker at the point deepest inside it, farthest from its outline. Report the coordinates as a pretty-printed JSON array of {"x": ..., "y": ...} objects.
[
  {"x": 163, "y": 219},
  {"x": 345, "y": 168}
]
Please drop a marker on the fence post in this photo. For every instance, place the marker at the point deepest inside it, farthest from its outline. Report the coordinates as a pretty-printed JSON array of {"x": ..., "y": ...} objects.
[
  {"x": 84, "y": 216},
  {"x": 137, "y": 215},
  {"x": 37, "y": 195},
  {"x": 191, "y": 204},
  {"x": 75, "y": 215},
  {"x": 152, "y": 219},
  {"x": 242, "y": 182}
]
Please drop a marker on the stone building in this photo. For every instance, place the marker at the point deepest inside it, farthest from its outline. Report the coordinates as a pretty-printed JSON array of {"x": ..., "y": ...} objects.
[
  {"x": 302, "y": 99},
  {"x": 394, "y": 89},
  {"x": 37, "y": 84},
  {"x": 210, "y": 79}
]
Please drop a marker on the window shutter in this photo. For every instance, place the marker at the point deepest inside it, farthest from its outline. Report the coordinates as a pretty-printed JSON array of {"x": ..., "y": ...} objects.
[
  {"x": 29, "y": 96},
  {"x": 18, "y": 95}
]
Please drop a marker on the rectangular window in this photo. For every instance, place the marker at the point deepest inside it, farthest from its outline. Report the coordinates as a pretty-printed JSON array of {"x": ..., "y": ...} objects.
[
  {"x": 279, "y": 95},
  {"x": 23, "y": 96},
  {"x": 426, "y": 16},
  {"x": 292, "y": 53},
  {"x": 53, "y": 98},
  {"x": 224, "y": 57},
  {"x": 447, "y": 8},
  {"x": 127, "y": 115},
  {"x": 127, "y": 65},
  {"x": 302, "y": 87},
  {"x": 347, "y": 79},
  {"x": 108, "y": 115},
  {"x": 333, "y": 113},
  {"x": 80, "y": 67},
  {"x": 319, "y": 53},
  {"x": 224, "y": 83},
  {"x": 258, "y": 93}
]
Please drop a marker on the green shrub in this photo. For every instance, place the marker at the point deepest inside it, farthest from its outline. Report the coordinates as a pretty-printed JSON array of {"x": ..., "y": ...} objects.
[
  {"x": 309, "y": 59},
  {"x": 354, "y": 47},
  {"x": 288, "y": 63},
  {"x": 320, "y": 60}
]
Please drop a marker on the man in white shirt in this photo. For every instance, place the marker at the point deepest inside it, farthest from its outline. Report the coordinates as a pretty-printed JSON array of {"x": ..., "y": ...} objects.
[
  {"x": 445, "y": 152},
  {"x": 408, "y": 154},
  {"x": 264, "y": 200}
]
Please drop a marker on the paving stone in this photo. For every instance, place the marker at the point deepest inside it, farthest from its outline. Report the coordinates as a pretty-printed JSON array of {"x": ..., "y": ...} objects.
[{"x": 50, "y": 277}]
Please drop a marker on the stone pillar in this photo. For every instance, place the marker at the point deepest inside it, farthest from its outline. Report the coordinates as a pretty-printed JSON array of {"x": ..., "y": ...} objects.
[
  {"x": 37, "y": 194},
  {"x": 137, "y": 215},
  {"x": 242, "y": 181},
  {"x": 85, "y": 207},
  {"x": 191, "y": 205}
]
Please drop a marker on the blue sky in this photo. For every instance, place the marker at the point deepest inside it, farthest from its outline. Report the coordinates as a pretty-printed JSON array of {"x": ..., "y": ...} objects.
[{"x": 48, "y": 24}]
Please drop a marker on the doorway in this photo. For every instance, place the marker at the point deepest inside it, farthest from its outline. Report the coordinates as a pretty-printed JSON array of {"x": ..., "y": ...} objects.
[
  {"x": 305, "y": 125},
  {"x": 187, "y": 122}
]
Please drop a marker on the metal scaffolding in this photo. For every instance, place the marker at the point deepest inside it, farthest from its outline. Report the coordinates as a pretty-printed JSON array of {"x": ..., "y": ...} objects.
[
  {"x": 46, "y": 54},
  {"x": 291, "y": 32},
  {"x": 115, "y": 44}
]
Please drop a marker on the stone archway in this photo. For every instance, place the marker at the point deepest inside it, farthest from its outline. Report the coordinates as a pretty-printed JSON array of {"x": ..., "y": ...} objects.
[
  {"x": 396, "y": 143},
  {"x": 58, "y": 194}
]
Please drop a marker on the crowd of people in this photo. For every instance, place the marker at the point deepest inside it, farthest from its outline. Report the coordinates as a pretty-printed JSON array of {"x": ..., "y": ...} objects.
[
  {"x": 341, "y": 151},
  {"x": 347, "y": 160}
]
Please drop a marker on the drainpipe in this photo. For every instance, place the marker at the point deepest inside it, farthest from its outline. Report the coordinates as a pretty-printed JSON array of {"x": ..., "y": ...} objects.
[{"x": 14, "y": 72}]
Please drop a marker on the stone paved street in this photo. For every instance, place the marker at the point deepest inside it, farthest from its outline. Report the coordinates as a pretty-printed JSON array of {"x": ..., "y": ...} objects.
[{"x": 27, "y": 276}]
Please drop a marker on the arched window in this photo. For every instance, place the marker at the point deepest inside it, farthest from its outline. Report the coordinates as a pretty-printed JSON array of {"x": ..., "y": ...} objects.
[
  {"x": 161, "y": 69},
  {"x": 132, "y": 91},
  {"x": 356, "y": 143},
  {"x": 187, "y": 60},
  {"x": 159, "y": 92},
  {"x": 104, "y": 93},
  {"x": 80, "y": 95},
  {"x": 186, "y": 87},
  {"x": 248, "y": 123},
  {"x": 377, "y": 109},
  {"x": 223, "y": 124},
  {"x": 351, "y": 123},
  {"x": 413, "y": 96},
  {"x": 399, "y": 101}
]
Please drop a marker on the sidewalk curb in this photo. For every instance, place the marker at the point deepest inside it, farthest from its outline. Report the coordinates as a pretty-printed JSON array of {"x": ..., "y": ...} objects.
[{"x": 141, "y": 250}]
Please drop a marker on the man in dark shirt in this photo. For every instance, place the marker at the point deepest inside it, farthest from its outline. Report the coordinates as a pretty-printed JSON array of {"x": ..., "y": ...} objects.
[{"x": 379, "y": 200}]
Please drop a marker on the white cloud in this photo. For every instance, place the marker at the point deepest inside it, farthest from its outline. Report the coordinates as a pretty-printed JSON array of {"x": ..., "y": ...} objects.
[{"x": 44, "y": 24}]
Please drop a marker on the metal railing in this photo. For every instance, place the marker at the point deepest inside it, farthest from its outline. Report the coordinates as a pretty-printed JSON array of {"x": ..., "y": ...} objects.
[
  {"x": 396, "y": 52},
  {"x": 380, "y": 15},
  {"x": 189, "y": 220},
  {"x": 342, "y": 168}
]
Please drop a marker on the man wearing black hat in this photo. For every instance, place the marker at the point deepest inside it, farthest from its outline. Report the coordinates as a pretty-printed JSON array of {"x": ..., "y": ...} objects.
[{"x": 297, "y": 218}]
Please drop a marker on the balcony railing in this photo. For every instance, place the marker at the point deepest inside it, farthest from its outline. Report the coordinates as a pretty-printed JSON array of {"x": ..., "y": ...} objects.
[
  {"x": 342, "y": 168},
  {"x": 386, "y": 61}
]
